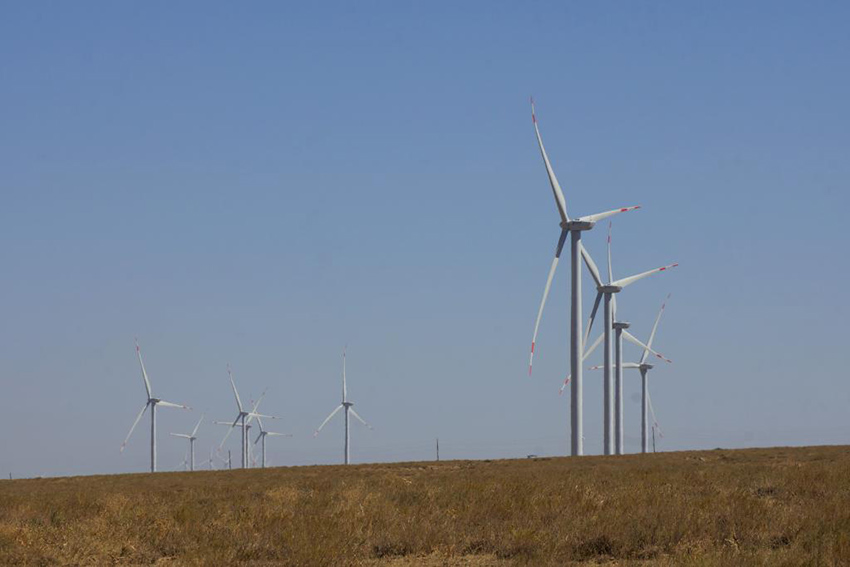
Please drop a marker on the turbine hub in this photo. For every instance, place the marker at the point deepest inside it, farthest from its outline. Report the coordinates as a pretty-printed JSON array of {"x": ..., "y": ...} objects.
[
  {"x": 610, "y": 289},
  {"x": 348, "y": 404},
  {"x": 647, "y": 366}
]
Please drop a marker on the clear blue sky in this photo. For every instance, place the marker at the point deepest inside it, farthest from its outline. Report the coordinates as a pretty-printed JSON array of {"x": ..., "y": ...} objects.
[{"x": 263, "y": 185}]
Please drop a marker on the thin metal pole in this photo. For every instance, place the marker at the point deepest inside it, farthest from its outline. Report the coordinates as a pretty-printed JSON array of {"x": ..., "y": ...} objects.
[
  {"x": 576, "y": 347},
  {"x": 438, "y": 448},
  {"x": 608, "y": 391}
]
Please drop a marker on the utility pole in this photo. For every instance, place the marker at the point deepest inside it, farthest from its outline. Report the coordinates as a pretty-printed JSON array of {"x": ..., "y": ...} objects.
[
  {"x": 653, "y": 437},
  {"x": 438, "y": 448}
]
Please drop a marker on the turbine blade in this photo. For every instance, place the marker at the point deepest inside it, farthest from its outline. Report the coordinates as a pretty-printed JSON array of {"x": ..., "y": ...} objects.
[
  {"x": 632, "y": 339},
  {"x": 198, "y": 425},
  {"x": 138, "y": 417},
  {"x": 363, "y": 421},
  {"x": 632, "y": 279},
  {"x": 259, "y": 415},
  {"x": 591, "y": 266},
  {"x": 592, "y": 316},
  {"x": 587, "y": 353},
  {"x": 171, "y": 405},
  {"x": 344, "y": 390},
  {"x": 655, "y": 328},
  {"x": 181, "y": 435},
  {"x": 327, "y": 419},
  {"x": 600, "y": 216},
  {"x": 610, "y": 271},
  {"x": 260, "y": 436},
  {"x": 553, "y": 181},
  {"x": 144, "y": 372},
  {"x": 234, "y": 424},
  {"x": 233, "y": 385},
  {"x": 558, "y": 250},
  {"x": 272, "y": 433},
  {"x": 625, "y": 365}
]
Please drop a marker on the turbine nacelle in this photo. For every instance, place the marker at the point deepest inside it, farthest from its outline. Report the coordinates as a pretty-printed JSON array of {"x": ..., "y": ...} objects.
[
  {"x": 577, "y": 224},
  {"x": 621, "y": 325},
  {"x": 347, "y": 404},
  {"x": 609, "y": 288}
]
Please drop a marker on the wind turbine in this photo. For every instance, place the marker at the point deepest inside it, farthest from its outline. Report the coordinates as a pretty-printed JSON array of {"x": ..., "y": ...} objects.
[
  {"x": 191, "y": 437},
  {"x": 152, "y": 402},
  {"x": 348, "y": 409},
  {"x": 262, "y": 436},
  {"x": 574, "y": 227},
  {"x": 609, "y": 291},
  {"x": 240, "y": 420},
  {"x": 645, "y": 367}
]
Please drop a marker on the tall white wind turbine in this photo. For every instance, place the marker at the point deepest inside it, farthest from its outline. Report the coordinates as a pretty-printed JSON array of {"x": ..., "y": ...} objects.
[
  {"x": 262, "y": 437},
  {"x": 347, "y": 406},
  {"x": 152, "y": 402},
  {"x": 240, "y": 420},
  {"x": 191, "y": 437},
  {"x": 612, "y": 417},
  {"x": 574, "y": 227}
]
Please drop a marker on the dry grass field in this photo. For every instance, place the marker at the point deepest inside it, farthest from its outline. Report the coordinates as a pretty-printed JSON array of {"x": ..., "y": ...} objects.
[{"x": 784, "y": 506}]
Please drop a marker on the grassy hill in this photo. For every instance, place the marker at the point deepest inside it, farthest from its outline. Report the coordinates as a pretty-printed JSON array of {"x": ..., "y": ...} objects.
[{"x": 761, "y": 506}]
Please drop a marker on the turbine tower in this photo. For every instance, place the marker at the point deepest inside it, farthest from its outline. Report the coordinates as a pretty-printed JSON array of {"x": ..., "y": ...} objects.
[
  {"x": 262, "y": 437},
  {"x": 152, "y": 402},
  {"x": 348, "y": 409},
  {"x": 612, "y": 418},
  {"x": 574, "y": 227},
  {"x": 191, "y": 437}
]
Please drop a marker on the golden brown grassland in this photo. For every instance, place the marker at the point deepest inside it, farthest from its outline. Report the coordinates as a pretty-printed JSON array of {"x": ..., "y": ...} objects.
[{"x": 784, "y": 506}]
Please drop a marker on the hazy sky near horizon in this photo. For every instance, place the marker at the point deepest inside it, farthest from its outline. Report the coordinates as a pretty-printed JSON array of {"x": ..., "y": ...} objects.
[{"x": 264, "y": 185}]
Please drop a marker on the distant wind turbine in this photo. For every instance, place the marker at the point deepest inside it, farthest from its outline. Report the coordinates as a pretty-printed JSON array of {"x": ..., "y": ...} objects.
[
  {"x": 191, "y": 437},
  {"x": 609, "y": 291},
  {"x": 348, "y": 409},
  {"x": 151, "y": 402},
  {"x": 243, "y": 421},
  {"x": 645, "y": 367},
  {"x": 262, "y": 437},
  {"x": 574, "y": 227}
]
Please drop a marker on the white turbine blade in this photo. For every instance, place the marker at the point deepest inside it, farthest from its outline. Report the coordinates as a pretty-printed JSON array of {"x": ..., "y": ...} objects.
[
  {"x": 592, "y": 316},
  {"x": 144, "y": 372},
  {"x": 587, "y": 353},
  {"x": 260, "y": 436},
  {"x": 259, "y": 415},
  {"x": 138, "y": 417},
  {"x": 611, "y": 275},
  {"x": 233, "y": 385},
  {"x": 234, "y": 424},
  {"x": 198, "y": 425},
  {"x": 632, "y": 279},
  {"x": 327, "y": 419},
  {"x": 591, "y": 266},
  {"x": 626, "y": 365},
  {"x": 600, "y": 216},
  {"x": 632, "y": 339},
  {"x": 553, "y": 181},
  {"x": 260, "y": 399},
  {"x": 344, "y": 390},
  {"x": 654, "y": 418},
  {"x": 273, "y": 434},
  {"x": 181, "y": 435},
  {"x": 227, "y": 423},
  {"x": 171, "y": 405},
  {"x": 558, "y": 250},
  {"x": 655, "y": 327},
  {"x": 363, "y": 421}
]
